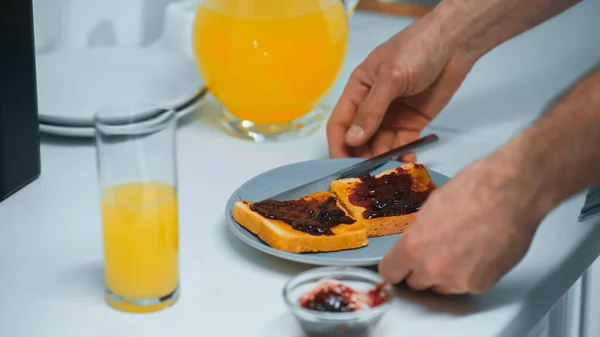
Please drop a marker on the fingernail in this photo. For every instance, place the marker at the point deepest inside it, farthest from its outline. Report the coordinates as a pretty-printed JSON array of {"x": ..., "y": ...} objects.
[{"x": 354, "y": 133}]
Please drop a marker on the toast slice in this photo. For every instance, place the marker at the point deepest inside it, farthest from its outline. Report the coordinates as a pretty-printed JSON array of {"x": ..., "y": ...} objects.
[
  {"x": 377, "y": 224},
  {"x": 281, "y": 235}
]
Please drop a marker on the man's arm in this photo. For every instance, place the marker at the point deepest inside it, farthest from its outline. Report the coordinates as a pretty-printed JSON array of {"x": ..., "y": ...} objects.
[
  {"x": 474, "y": 27},
  {"x": 559, "y": 154},
  {"x": 496, "y": 203}
]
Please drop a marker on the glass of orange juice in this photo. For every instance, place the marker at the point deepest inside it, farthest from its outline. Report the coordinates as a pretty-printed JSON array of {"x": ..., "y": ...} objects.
[
  {"x": 269, "y": 63},
  {"x": 137, "y": 174}
]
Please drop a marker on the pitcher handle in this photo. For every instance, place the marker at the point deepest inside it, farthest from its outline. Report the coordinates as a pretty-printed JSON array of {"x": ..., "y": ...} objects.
[{"x": 350, "y": 6}]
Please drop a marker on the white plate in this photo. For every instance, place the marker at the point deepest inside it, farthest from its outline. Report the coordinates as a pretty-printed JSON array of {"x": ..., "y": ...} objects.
[
  {"x": 73, "y": 85},
  {"x": 67, "y": 131},
  {"x": 87, "y": 132}
]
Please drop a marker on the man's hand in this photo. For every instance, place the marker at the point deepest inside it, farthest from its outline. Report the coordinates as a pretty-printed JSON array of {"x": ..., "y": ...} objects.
[
  {"x": 470, "y": 232},
  {"x": 475, "y": 228},
  {"x": 395, "y": 92},
  {"x": 405, "y": 82}
]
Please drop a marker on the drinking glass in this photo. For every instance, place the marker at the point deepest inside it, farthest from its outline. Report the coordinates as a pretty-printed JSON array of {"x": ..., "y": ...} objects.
[
  {"x": 137, "y": 174},
  {"x": 269, "y": 63}
]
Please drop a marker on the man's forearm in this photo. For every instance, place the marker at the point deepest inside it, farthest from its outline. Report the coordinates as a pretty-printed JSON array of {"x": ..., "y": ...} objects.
[
  {"x": 559, "y": 154},
  {"x": 477, "y": 26}
]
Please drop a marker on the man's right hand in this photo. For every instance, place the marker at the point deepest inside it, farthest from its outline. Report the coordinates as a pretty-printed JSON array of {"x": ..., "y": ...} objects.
[{"x": 396, "y": 91}]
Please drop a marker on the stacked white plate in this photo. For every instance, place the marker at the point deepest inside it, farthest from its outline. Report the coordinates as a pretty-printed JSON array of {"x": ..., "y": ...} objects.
[{"x": 74, "y": 85}]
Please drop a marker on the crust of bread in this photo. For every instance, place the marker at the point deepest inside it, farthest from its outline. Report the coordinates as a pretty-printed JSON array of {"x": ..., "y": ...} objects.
[
  {"x": 282, "y": 236},
  {"x": 343, "y": 188}
]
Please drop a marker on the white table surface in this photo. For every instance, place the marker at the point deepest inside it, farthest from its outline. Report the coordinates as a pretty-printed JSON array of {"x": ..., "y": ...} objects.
[{"x": 50, "y": 240}]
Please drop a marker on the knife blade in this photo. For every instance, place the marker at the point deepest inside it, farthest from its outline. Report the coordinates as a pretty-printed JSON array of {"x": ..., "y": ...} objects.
[
  {"x": 355, "y": 170},
  {"x": 591, "y": 204}
]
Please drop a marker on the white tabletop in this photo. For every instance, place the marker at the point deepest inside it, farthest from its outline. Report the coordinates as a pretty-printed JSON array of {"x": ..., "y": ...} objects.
[{"x": 50, "y": 240}]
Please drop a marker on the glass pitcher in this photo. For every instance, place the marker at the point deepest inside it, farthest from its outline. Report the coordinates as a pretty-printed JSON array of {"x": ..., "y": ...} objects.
[{"x": 269, "y": 63}]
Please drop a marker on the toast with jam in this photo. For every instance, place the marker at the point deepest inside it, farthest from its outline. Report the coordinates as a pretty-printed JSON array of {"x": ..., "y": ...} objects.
[
  {"x": 343, "y": 218},
  {"x": 315, "y": 223},
  {"x": 386, "y": 203}
]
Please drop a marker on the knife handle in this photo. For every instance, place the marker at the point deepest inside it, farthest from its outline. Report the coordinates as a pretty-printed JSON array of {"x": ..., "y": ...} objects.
[{"x": 380, "y": 160}]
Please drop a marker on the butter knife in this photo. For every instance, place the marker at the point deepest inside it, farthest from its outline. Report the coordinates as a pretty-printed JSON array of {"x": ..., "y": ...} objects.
[
  {"x": 591, "y": 204},
  {"x": 356, "y": 170}
]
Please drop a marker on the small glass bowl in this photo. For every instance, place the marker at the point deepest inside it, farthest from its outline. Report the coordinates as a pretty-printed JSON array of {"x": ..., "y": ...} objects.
[{"x": 345, "y": 324}]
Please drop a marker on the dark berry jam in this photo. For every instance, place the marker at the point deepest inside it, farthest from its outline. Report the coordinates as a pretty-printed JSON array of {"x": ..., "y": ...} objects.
[
  {"x": 388, "y": 195},
  {"x": 333, "y": 296},
  {"x": 312, "y": 216},
  {"x": 331, "y": 300},
  {"x": 330, "y": 296}
]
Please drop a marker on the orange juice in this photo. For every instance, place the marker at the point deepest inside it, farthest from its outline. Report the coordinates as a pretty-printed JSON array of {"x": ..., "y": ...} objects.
[
  {"x": 270, "y": 61},
  {"x": 140, "y": 229}
]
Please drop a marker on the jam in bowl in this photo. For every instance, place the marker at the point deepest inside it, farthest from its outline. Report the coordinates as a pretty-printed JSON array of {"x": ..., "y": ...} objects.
[{"x": 337, "y": 301}]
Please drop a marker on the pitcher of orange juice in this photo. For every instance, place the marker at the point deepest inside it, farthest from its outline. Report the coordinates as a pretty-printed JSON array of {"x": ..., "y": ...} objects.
[{"x": 270, "y": 62}]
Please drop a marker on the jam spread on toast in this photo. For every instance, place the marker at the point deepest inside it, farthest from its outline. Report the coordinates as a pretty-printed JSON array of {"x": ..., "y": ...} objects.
[
  {"x": 388, "y": 195},
  {"x": 312, "y": 216},
  {"x": 333, "y": 296}
]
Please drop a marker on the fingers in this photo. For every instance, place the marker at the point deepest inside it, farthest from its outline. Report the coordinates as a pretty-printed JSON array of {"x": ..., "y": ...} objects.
[
  {"x": 406, "y": 137},
  {"x": 336, "y": 149},
  {"x": 447, "y": 290},
  {"x": 417, "y": 282},
  {"x": 410, "y": 157},
  {"x": 396, "y": 274},
  {"x": 370, "y": 113},
  {"x": 394, "y": 267},
  {"x": 400, "y": 265},
  {"x": 362, "y": 152},
  {"x": 342, "y": 116},
  {"x": 336, "y": 132},
  {"x": 382, "y": 141}
]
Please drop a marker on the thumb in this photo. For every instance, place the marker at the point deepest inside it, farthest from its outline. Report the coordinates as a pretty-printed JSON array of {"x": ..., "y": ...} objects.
[{"x": 370, "y": 113}]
